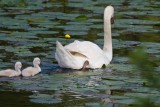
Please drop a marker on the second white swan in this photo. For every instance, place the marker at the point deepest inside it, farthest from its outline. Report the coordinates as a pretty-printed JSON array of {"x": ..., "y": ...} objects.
[{"x": 85, "y": 54}]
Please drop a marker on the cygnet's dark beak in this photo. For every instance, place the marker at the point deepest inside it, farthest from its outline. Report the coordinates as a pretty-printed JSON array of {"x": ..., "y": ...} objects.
[{"x": 112, "y": 20}]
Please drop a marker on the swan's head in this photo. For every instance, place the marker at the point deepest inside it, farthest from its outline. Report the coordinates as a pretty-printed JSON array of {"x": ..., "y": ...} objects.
[
  {"x": 36, "y": 61},
  {"x": 109, "y": 14},
  {"x": 18, "y": 65}
]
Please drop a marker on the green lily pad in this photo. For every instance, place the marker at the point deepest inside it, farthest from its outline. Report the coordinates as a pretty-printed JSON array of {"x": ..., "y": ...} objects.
[
  {"x": 122, "y": 100},
  {"x": 81, "y": 18},
  {"x": 44, "y": 98}
]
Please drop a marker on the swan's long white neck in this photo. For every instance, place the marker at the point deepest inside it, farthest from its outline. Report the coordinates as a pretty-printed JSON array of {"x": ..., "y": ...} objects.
[{"x": 107, "y": 48}]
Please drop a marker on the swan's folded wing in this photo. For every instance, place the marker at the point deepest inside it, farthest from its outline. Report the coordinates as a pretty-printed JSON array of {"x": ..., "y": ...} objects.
[{"x": 86, "y": 48}]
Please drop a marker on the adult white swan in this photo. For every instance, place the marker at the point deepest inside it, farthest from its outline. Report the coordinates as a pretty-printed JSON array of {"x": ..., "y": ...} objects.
[
  {"x": 31, "y": 71},
  {"x": 81, "y": 54},
  {"x": 12, "y": 73}
]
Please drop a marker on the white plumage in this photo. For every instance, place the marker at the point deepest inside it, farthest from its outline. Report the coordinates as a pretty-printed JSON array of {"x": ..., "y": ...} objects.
[
  {"x": 75, "y": 54},
  {"x": 12, "y": 73},
  {"x": 31, "y": 71}
]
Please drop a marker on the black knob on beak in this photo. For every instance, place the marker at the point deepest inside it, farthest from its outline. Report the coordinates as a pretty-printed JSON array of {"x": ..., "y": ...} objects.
[{"x": 112, "y": 20}]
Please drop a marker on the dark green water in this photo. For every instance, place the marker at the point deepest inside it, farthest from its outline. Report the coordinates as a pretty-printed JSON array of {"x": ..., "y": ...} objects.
[{"x": 30, "y": 28}]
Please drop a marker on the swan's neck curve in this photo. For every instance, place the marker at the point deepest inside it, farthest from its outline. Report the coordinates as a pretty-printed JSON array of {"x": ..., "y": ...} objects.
[
  {"x": 107, "y": 48},
  {"x": 38, "y": 67},
  {"x": 18, "y": 70}
]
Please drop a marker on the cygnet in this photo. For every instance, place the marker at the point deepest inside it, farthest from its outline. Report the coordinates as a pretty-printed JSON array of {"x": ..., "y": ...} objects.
[
  {"x": 12, "y": 73},
  {"x": 31, "y": 71}
]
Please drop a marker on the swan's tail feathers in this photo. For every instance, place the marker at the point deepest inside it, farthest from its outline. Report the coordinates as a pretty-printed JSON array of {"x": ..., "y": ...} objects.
[
  {"x": 63, "y": 56},
  {"x": 60, "y": 48}
]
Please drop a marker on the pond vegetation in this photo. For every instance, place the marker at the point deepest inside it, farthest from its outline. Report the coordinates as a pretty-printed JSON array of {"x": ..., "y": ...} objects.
[{"x": 31, "y": 28}]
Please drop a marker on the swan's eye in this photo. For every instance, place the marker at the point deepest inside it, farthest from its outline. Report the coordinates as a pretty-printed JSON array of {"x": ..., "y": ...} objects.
[{"x": 112, "y": 20}]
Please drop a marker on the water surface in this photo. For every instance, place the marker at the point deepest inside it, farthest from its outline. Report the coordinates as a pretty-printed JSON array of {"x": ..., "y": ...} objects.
[{"x": 30, "y": 28}]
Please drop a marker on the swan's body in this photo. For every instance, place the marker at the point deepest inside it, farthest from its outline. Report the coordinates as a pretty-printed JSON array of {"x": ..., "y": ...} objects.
[
  {"x": 12, "y": 73},
  {"x": 31, "y": 71},
  {"x": 75, "y": 54}
]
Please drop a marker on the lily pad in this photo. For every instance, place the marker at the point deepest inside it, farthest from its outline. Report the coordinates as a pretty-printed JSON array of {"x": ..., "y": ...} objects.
[
  {"x": 81, "y": 18},
  {"x": 44, "y": 98}
]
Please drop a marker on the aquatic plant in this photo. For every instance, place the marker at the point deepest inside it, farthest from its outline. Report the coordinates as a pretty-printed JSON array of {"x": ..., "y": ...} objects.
[{"x": 145, "y": 66}]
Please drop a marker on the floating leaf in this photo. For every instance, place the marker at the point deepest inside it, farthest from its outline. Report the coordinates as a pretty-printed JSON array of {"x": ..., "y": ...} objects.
[
  {"x": 44, "y": 98},
  {"x": 81, "y": 18}
]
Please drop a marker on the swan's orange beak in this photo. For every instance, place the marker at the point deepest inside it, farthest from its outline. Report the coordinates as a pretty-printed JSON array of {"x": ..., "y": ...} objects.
[{"x": 112, "y": 20}]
